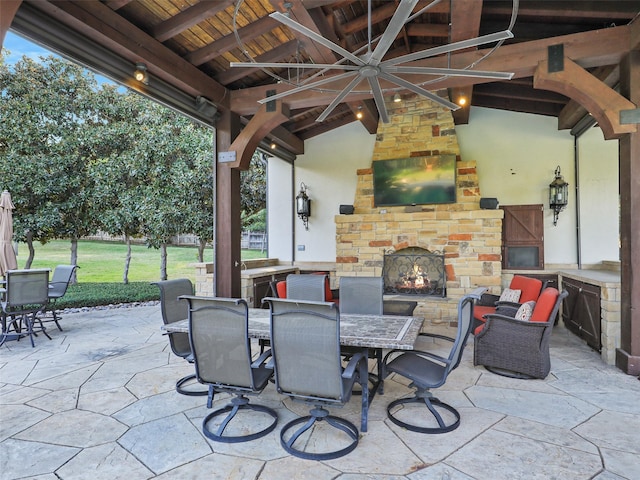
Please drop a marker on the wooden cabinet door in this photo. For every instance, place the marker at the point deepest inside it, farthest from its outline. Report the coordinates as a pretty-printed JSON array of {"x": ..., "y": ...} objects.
[
  {"x": 581, "y": 311},
  {"x": 523, "y": 237}
]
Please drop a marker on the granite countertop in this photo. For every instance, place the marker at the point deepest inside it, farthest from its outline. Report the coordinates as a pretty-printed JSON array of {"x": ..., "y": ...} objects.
[
  {"x": 268, "y": 270},
  {"x": 596, "y": 277}
]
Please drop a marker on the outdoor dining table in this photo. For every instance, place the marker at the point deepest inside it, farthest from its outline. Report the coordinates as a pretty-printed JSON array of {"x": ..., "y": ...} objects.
[{"x": 369, "y": 332}]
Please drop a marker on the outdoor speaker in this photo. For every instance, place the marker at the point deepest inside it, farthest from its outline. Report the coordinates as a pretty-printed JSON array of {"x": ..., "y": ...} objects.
[
  {"x": 489, "y": 203},
  {"x": 346, "y": 209}
]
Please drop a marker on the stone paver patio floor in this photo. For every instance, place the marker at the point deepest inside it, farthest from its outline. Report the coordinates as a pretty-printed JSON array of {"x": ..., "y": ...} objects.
[{"x": 98, "y": 402}]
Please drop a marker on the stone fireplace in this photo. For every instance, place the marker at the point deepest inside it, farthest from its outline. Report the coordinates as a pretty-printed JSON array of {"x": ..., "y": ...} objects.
[
  {"x": 414, "y": 271},
  {"x": 468, "y": 237}
]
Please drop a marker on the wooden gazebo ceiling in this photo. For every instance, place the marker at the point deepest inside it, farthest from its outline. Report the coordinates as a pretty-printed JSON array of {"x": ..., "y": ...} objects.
[{"x": 190, "y": 44}]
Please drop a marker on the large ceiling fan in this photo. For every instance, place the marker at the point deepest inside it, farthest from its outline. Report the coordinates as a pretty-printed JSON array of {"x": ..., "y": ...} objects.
[{"x": 371, "y": 67}]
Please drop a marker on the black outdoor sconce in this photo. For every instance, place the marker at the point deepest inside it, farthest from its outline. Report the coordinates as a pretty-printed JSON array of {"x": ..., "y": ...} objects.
[
  {"x": 558, "y": 195},
  {"x": 303, "y": 205}
]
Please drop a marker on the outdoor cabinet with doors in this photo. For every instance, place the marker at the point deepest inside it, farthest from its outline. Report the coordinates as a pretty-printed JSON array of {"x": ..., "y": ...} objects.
[{"x": 523, "y": 237}]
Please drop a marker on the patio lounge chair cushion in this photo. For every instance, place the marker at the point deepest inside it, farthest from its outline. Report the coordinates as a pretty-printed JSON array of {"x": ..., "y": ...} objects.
[{"x": 529, "y": 290}]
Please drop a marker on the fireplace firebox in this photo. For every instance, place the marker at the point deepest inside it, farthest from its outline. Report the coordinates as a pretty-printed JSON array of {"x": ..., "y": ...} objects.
[{"x": 414, "y": 271}]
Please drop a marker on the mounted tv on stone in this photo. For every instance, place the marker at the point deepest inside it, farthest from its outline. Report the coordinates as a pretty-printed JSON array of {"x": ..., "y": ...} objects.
[{"x": 414, "y": 181}]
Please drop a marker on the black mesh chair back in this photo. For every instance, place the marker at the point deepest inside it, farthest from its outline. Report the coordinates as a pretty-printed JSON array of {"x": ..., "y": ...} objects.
[
  {"x": 174, "y": 310},
  {"x": 26, "y": 296},
  {"x": 364, "y": 296},
  {"x": 305, "y": 342},
  {"x": 307, "y": 287},
  {"x": 60, "y": 281},
  {"x": 427, "y": 370},
  {"x": 218, "y": 333},
  {"x": 58, "y": 286}
]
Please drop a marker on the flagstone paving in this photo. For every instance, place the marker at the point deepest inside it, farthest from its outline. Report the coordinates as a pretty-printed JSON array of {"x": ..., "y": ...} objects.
[{"x": 98, "y": 401}]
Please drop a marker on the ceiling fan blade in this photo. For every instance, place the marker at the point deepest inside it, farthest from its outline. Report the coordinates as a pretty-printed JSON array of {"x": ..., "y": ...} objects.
[
  {"x": 393, "y": 28},
  {"x": 336, "y": 101},
  {"x": 315, "y": 37},
  {"x": 308, "y": 86},
  {"x": 451, "y": 72},
  {"x": 452, "y": 47},
  {"x": 378, "y": 96},
  {"x": 420, "y": 91},
  {"x": 326, "y": 66}
]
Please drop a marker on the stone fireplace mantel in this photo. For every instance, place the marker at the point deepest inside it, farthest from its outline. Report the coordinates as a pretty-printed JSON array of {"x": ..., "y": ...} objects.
[{"x": 469, "y": 236}]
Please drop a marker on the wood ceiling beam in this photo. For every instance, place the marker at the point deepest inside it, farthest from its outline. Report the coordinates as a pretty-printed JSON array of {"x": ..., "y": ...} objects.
[
  {"x": 326, "y": 127},
  {"x": 465, "y": 23},
  {"x": 279, "y": 53},
  {"x": 246, "y": 143},
  {"x": 428, "y": 30},
  {"x": 386, "y": 11},
  {"x": 604, "y": 103},
  {"x": 116, "y": 4},
  {"x": 187, "y": 19},
  {"x": 8, "y": 11},
  {"x": 524, "y": 106},
  {"x": 565, "y": 9},
  {"x": 97, "y": 21},
  {"x": 520, "y": 92},
  {"x": 588, "y": 49},
  {"x": 319, "y": 53},
  {"x": 573, "y": 112},
  {"x": 228, "y": 42}
]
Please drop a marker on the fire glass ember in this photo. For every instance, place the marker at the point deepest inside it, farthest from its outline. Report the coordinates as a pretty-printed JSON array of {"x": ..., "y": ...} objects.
[{"x": 414, "y": 271}]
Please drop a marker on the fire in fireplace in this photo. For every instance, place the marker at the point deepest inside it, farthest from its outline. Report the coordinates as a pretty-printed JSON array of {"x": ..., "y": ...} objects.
[{"x": 414, "y": 271}]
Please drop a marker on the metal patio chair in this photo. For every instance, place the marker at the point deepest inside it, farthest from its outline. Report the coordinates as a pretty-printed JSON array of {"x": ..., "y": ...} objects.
[
  {"x": 218, "y": 332},
  {"x": 175, "y": 310},
  {"x": 427, "y": 371},
  {"x": 57, "y": 289},
  {"x": 305, "y": 342},
  {"x": 25, "y": 297}
]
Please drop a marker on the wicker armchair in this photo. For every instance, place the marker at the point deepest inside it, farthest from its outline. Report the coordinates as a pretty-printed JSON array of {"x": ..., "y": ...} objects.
[
  {"x": 519, "y": 348},
  {"x": 529, "y": 288}
]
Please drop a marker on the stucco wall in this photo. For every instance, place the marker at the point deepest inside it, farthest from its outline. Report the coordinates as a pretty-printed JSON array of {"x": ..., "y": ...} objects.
[{"x": 516, "y": 155}]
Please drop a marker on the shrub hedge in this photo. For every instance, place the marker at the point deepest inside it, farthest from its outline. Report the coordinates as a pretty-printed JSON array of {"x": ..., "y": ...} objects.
[{"x": 95, "y": 294}]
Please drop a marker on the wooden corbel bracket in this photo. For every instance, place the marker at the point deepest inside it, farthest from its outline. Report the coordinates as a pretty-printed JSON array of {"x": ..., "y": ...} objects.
[
  {"x": 268, "y": 117},
  {"x": 604, "y": 103}
]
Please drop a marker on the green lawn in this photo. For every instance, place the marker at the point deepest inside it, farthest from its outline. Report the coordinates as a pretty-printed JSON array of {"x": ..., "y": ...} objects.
[{"x": 104, "y": 261}]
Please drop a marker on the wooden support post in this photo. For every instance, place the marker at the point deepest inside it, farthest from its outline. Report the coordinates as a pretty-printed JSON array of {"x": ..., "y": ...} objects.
[
  {"x": 8, "y": 9},
  {"x": 227, "y": 204},
  {"x": 628, "y": 355}
]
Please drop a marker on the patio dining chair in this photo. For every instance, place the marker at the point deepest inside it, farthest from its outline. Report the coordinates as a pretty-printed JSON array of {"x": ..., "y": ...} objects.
[
  {"x": 58, "y": 286},
  {"x": 219, "y": 337},
  {"x": 175, "y": 310},
  {"x": 362, "y": 296},
  {"x": 427, "y": 370},
  {"x": 25, "y": 297},
  {"x": 305, "y": 342}
]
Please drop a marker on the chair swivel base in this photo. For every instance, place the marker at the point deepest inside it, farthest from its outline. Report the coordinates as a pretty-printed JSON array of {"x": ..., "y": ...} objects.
[
  {"x": 431, "y": 404},
  {"x": 319, "y": 414},
  {"x": 237, "y": 404},
  {"x": 180, "y": 384},
  {"x": 509, "y": 373}
]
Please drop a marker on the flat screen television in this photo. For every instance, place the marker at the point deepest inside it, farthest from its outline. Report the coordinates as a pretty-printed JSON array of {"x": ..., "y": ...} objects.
[{"x": 414, "y": 181}]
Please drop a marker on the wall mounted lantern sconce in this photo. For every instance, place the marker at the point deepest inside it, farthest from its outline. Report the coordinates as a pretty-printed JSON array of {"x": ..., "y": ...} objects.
[
  {"x": 141, "y": 73},
  {"x": 303, "y": 205},
  {"x": 558, "y": 195}
]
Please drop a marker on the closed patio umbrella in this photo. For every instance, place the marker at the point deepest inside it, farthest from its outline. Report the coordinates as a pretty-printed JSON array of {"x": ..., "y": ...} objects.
[{"x": 7, "y": 254}]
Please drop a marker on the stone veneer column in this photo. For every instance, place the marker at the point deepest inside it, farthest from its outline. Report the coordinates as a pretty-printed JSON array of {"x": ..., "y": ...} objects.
[{"x": 469, "y": 237}]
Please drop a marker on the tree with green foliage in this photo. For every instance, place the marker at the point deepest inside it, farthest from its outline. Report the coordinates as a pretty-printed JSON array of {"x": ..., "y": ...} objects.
[{"x": 48, "y": 108}]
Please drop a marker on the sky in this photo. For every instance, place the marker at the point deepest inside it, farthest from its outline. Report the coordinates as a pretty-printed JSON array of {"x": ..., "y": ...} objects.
[{"x": 18, "y": 47}]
